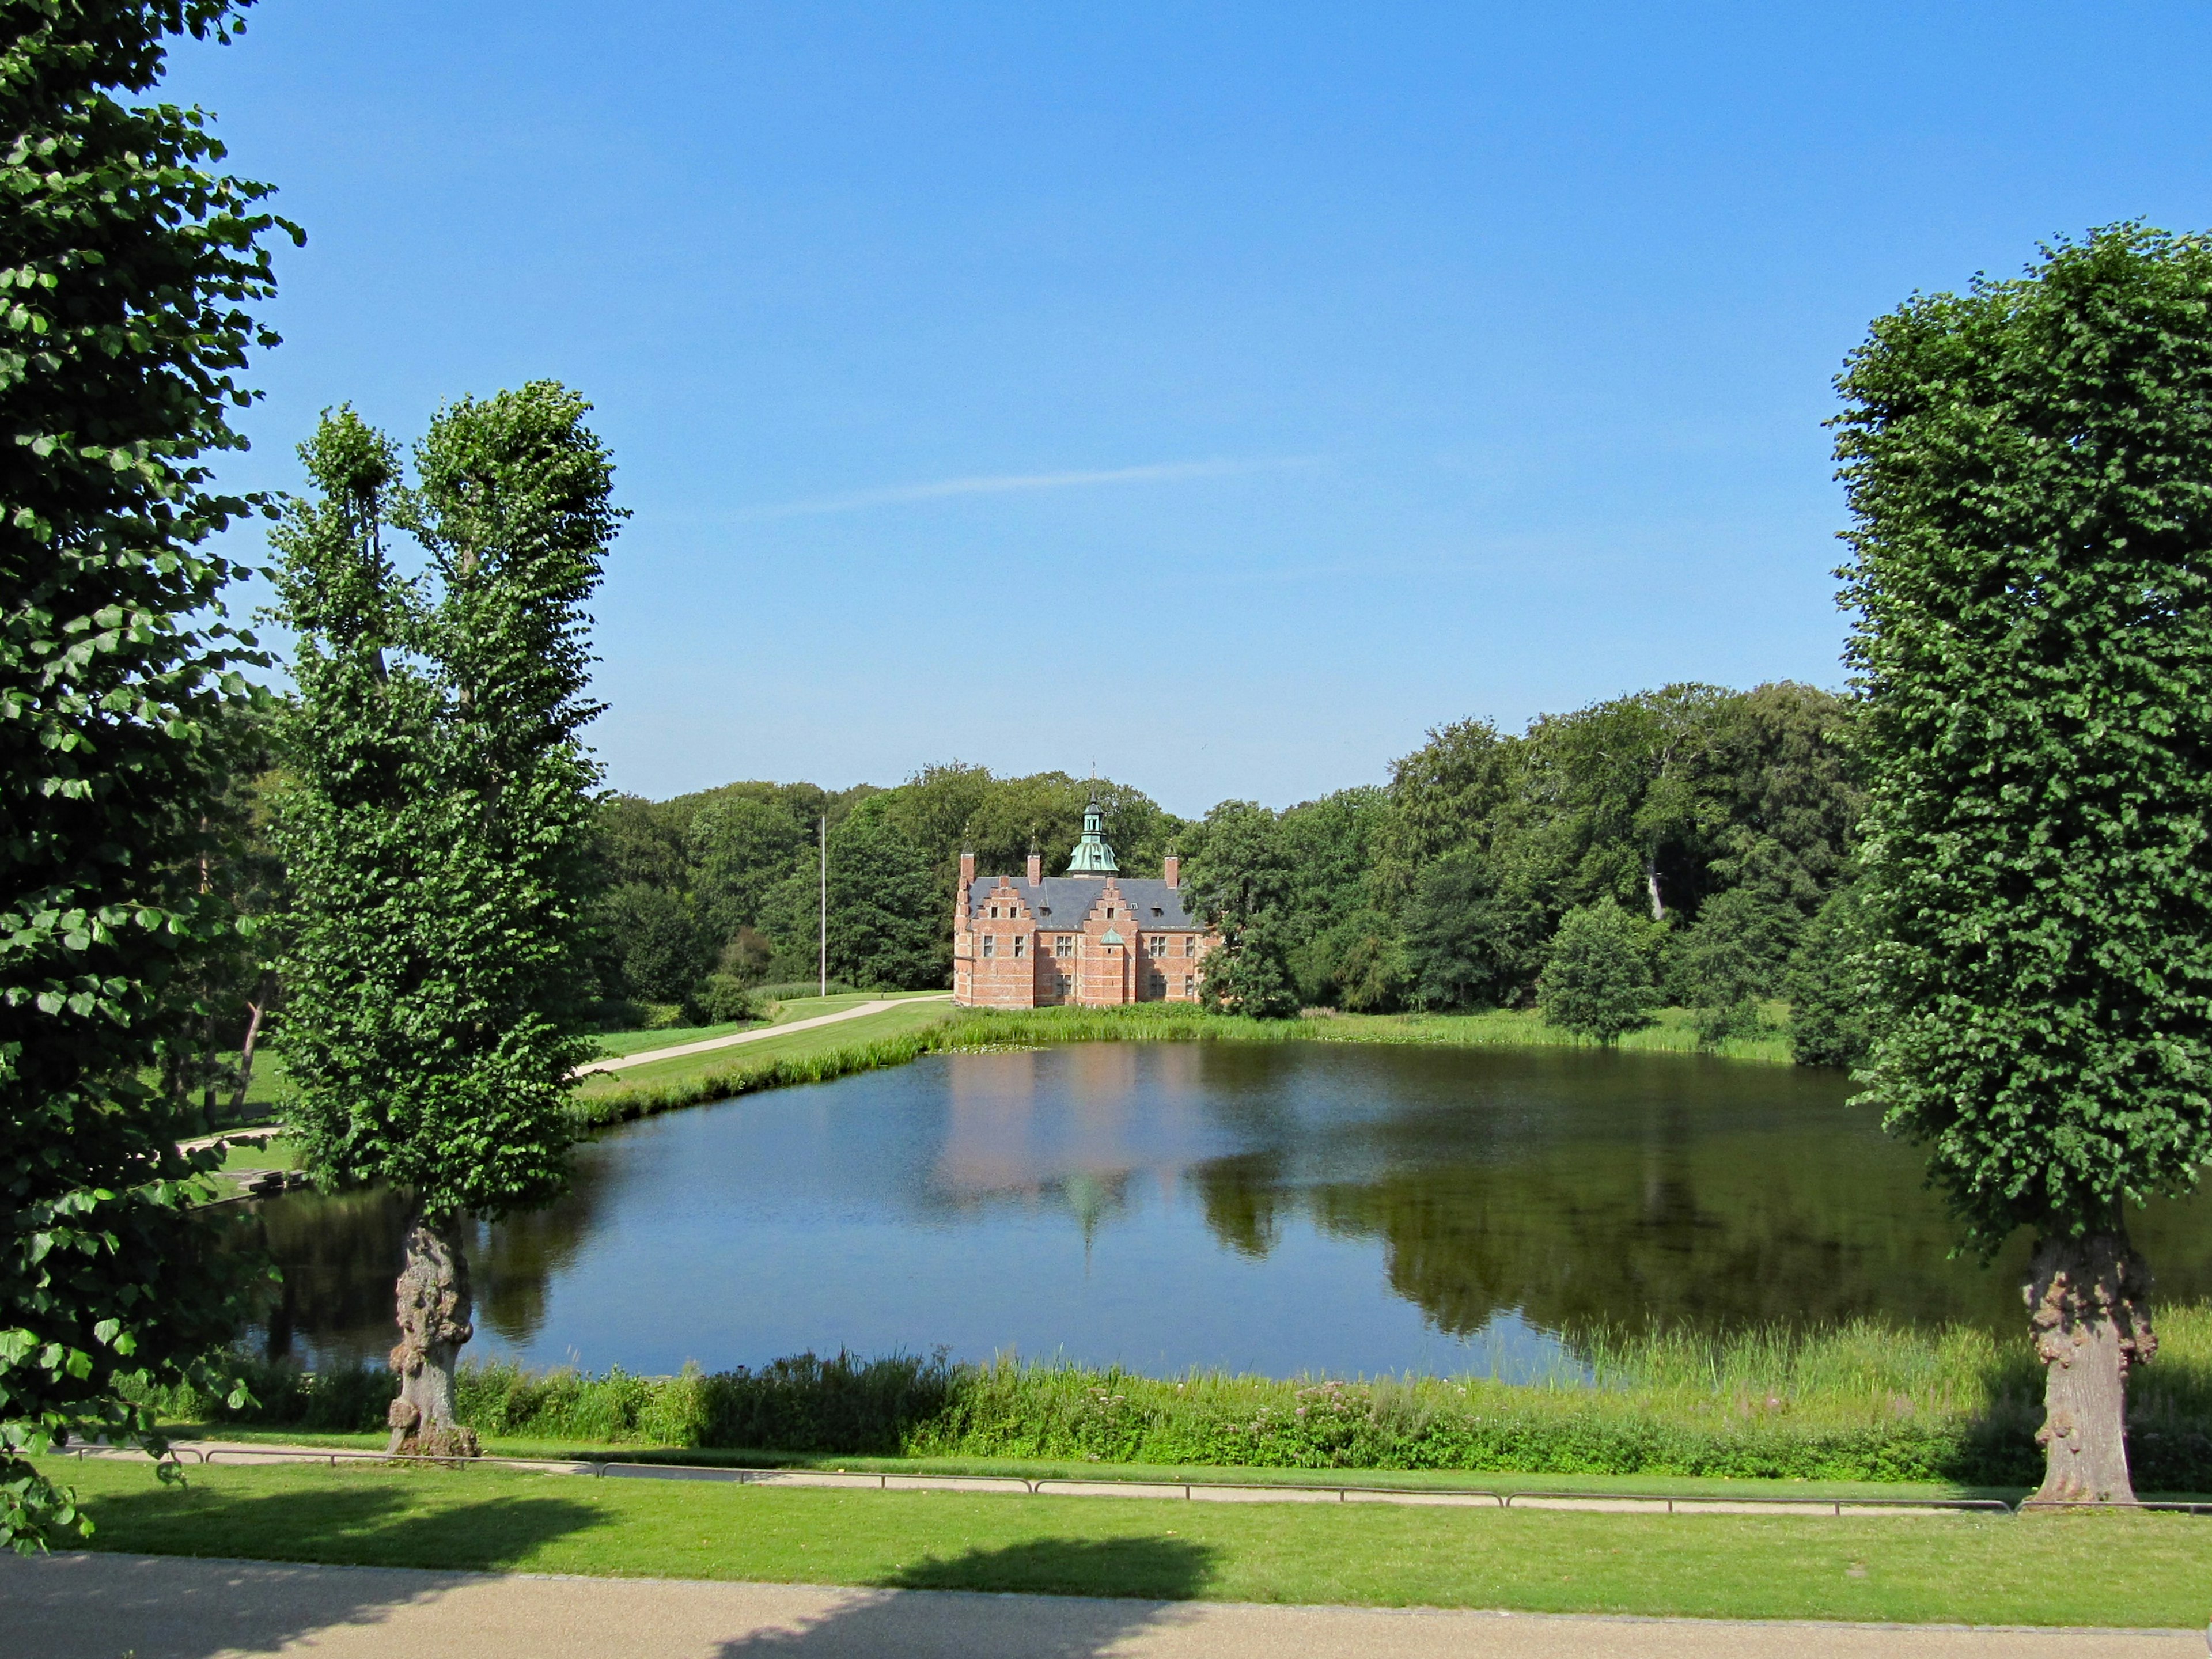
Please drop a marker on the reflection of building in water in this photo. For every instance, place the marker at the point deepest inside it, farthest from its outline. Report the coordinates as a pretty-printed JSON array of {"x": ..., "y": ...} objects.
[
  {"x": 1071, "y": 1128},
  {"x": 1092, "y": 937}
]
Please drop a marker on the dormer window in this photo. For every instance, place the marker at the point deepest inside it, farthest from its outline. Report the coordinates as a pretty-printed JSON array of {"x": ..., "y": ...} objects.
[{"x": 1158, "y": 911}]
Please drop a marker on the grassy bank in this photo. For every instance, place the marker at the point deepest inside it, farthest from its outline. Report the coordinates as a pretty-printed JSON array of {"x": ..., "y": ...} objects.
[
  {"x": 903, "y": 1034},
  {"x": 1867, "y": 1403},
  {"x": 2150, "y": 1570}
]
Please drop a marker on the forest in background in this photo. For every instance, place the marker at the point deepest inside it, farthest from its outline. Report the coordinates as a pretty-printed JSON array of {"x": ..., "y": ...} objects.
[{"x": 1716, "y": 823}]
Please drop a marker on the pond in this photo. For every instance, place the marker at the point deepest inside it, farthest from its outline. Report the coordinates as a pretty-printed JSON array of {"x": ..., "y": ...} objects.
[{"x": 1282, "y": 1208}]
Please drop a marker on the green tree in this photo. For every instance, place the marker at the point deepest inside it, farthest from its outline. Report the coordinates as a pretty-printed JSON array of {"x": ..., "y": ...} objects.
[
  {"x": 1471, "y": 942},
  {"x": 1239, "y": 884},
  {"x": 130, "y": 266},
  {"x": 1597, "y": 978},
  {"x": 2029, "y": 470},
  {"x": 653, "y": 940},
  {"x": 883, "y": 929},
  {"x": 439, "y": 827},
  {"x": 1828, "y": 1022},
  {"x": 1732, "y": 958},
  {"x": 739, "y": 847}
]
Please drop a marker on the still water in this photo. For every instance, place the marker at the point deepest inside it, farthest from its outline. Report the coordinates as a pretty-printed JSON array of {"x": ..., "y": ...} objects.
[{"x": 1285, "y": 1208}]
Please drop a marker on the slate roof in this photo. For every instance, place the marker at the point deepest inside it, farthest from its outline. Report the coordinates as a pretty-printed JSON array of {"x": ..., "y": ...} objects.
[{"x": 1059, "y": 902}]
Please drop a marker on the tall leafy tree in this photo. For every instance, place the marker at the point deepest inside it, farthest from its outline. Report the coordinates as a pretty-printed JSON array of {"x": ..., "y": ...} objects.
[
  {"x": 2029, "y": 469},
  {"x": 129, "y": 265},
  {"x": 440, "y": 830},
  {"x": 1238, "y": 883}
]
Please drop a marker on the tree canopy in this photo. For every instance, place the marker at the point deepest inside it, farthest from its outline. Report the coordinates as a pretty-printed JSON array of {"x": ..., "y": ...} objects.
[
  {"x": 2029, "y": 468},
  {"x": 131, "y": 266}
]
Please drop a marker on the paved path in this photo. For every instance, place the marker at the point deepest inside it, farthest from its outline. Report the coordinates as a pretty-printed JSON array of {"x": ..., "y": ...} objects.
[
  {"x": 105, "y": 1607},
  {"x": 762, "y": 1035},
  {"x": 234, "y": 1453}
]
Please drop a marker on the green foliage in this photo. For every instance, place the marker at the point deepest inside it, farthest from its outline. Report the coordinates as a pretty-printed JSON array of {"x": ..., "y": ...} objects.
[
  {"x": 1597, "y": 978},
  {"x": 129, "y": 265},
  {"x": 1239, "y": 884},
  {"x": 738, "y": 848},
  {"x": 1470, "y": 943},
  {"x": 1732, "y": 959},
  {"x": 723, "y": 999},
  {"x": 437, "y": 820},
  {"x": 885, "y": 929},
  {"x": 652, "y": 937},
  {"x": 1864, "y": 1401},
  {"x": 1828, "y": 1021},
  {"x": 2026, "y": 465}
]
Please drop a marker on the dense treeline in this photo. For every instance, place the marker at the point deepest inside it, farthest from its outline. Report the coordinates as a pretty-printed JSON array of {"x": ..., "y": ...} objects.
[
  {"x": 708, "y": 893},
  {"x": 1689, "y": 845}
]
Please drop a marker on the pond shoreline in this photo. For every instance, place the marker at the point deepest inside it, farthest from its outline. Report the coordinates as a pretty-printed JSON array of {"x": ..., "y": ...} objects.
[
  {"x": 1867, "y": 1403},
  {"x": 957, "y": 1031}
]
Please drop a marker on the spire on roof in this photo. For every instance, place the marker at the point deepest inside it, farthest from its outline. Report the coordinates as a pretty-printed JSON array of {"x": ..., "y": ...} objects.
[{"x": 1092, "y": 856}]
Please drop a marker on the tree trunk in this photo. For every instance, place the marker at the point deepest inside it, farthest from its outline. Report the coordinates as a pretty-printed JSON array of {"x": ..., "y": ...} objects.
[
  {"x": 1651, "y": 886},
  {"x": 434, "y": 1322},
  {"x": 246, "y": 1048},
  {"x": 2088, "y": 1305}
]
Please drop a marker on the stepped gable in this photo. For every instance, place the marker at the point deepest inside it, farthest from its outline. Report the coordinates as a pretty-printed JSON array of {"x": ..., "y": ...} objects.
[{"x": 1092, "y": 937}]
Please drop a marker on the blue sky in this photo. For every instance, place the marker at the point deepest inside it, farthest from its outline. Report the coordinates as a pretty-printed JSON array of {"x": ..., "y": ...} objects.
[{"x": 1222, "y": 393}]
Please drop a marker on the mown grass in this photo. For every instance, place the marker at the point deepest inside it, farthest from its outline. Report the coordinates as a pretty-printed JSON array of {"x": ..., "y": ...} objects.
[
  {"x": 2150, "y": 1570},
  {"x": 899, "y": 1036},
  {"x": 614, "y": 1045},
  {"x": 1867, "y": 1403}
]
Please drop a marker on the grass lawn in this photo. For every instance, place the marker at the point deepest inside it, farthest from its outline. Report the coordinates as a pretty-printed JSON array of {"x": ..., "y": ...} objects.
[
  {"x": 759, "y": 1055},
  {"x": 615, "y": 1044},
  {"x": 1045, "y": 1468},
  {"x": 2148, "y": 1570}
]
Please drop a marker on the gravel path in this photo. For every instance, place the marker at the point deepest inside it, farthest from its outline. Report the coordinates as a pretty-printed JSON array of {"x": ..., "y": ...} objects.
[
  {"x": 737, "y": 1037},
  {"x": 107, "y": 1607}
]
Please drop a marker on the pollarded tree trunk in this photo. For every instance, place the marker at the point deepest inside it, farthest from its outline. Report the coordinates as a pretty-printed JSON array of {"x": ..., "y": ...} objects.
[
  {"x": 434, "y": 1322},
  {"x": 2088, "y": 1305}
]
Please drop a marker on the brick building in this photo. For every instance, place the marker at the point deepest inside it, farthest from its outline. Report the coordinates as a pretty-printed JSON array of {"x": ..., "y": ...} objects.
[{"x": 1092, "y": 937}]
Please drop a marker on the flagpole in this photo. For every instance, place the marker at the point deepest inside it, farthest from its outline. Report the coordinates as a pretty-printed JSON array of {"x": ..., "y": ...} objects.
[{"x": 825, "y": 904}]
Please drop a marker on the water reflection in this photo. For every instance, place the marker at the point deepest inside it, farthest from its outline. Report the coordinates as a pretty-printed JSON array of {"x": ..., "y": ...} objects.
[{"x": 1278, "y": 1208}]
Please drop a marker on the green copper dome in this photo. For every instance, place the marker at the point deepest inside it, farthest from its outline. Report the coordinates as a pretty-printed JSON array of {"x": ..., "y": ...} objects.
[{"x": 1092, "y": 856}]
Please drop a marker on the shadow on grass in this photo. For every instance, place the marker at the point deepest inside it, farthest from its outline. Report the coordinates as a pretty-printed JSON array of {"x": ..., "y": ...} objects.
[
  {"x": 348, "y": 1521},
  {"x": 122, "y": 1596},
  {"x": 1103, "y": 1591}
]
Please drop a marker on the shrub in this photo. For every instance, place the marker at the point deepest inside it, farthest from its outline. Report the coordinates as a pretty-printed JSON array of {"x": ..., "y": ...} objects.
[
  {"x": 1597, "y": 980},
  {"x": 723, "y": 999},
  {"x": 1864, "y": 1401}
]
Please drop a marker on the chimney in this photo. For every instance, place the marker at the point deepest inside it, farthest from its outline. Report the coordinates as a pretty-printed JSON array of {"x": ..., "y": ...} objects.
[
  {"x": 1171, "y": 867},
  {"x": 1037, "y": 867},
  {"x": 967, "y": 877}
]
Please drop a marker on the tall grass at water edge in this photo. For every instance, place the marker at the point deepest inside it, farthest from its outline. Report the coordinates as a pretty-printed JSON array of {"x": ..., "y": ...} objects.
[
  {"x": 972, "y": 1030},
  {"x": 1864, "y": 1401}
]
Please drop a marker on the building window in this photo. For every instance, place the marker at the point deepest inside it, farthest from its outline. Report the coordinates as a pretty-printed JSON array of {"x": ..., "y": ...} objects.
[
  {"x": 1157, "y": 945},
  {"x": 1064, "y": 945},
  {"x": 990, "y": 943},
  {"x": 1109, "y": 913},
  {"x": 1158, "y": 911},
  {"x": 1190, "y": 944},
  {"x": 1018, "y": 943},
  {"x": 1065, "y": 984},
  {"x": 1190, "y": 985}
]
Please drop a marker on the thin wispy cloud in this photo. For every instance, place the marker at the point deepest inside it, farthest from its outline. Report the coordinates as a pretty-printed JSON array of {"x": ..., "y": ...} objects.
[{"x": 1013, "y": 483}]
